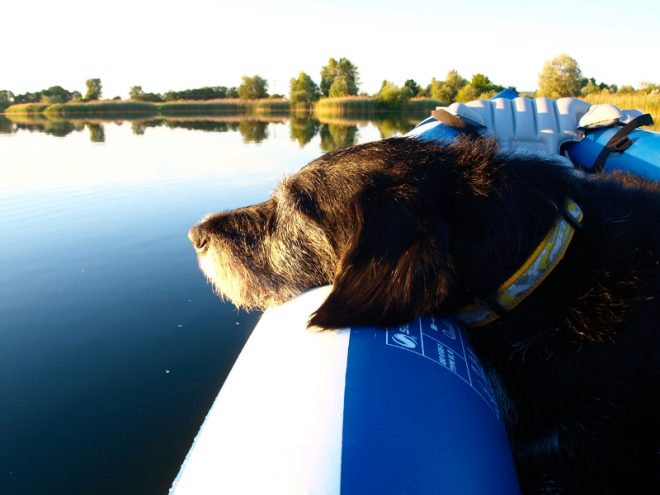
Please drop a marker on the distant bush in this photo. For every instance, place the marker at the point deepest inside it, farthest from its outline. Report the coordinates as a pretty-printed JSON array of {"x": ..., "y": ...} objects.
[
  {"x": 138, "y": 94},
  {"x": 339, "y": 78},
  {"x": 303, "y": 91},
  {"x": 253, "y": 88},
  {"x": 391, "y": 93},
  {"x": 6, "y": 99},
  {"x": 207, "y": 93}
]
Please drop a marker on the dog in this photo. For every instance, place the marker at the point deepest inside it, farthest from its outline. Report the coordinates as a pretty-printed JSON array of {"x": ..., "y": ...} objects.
[{"x": 404, "y": 227}]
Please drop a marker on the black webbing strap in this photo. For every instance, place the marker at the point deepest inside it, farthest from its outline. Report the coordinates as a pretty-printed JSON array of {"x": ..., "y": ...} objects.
[{"x": 620, "y": 141}]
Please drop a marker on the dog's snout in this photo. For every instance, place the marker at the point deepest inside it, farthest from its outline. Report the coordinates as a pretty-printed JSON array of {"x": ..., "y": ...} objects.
[{"x": 198, "y": 237}]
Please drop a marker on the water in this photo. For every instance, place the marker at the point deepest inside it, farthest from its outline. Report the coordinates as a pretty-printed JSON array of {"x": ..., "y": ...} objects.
[{"x": 112, "y": 344}]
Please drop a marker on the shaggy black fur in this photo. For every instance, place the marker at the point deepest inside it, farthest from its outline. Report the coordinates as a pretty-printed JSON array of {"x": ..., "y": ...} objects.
[{"x": 419, "y": 228}]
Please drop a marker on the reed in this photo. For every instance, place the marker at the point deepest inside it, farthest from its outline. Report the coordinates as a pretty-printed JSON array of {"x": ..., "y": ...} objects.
[
  {"x": 130, "y": 108},
  {"x": 224, "y": 107},
  {"x": 272, "y": 106},
  {"x": 423, "y": 105},
  {"x": 206, "y": 108},
  {"x": 368, "y": 107},
  {"x": 97, "y": 108},
  {"x": 646, "y": 102},
  {"x": 363, "y": 106}
]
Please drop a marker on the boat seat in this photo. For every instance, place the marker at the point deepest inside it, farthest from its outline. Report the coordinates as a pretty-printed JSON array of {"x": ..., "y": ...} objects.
[{"x": 525, "y": 125}]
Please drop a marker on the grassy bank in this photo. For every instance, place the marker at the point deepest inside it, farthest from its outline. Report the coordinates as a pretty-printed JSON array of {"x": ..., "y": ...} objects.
[
  {"x": 106, "y": 108},
  {"x": 26, "y": 109},
  {"x": 132, "y": 109},
  {"x": 356, "y": 106},
  {"x": 224, "y": 107},
  {"x": 368, "y": 107}
]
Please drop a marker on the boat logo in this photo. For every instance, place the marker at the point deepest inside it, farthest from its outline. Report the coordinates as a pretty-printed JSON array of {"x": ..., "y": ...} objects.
[{"x": 405, "y": 340}]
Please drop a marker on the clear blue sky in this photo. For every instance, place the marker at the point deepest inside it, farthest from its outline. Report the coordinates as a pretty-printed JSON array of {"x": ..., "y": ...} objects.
[{"x": 164, "y": 45}]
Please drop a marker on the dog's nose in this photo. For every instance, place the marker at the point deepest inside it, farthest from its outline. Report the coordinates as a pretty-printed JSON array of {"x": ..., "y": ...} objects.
[{"x": 198, "y": 237}]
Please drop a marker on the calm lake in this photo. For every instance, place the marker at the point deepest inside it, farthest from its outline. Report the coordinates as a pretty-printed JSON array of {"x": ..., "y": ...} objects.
[{"x": 112, "y": 344}]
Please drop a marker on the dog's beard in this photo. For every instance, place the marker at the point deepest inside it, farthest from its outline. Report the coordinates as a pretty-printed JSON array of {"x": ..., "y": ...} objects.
[
  {"x": 234, "y": 281},
  {"x": 278, "y": 271}
]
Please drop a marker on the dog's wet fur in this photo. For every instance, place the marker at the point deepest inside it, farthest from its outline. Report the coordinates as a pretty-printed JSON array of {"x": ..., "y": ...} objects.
[{"x": 403, "y": 227}]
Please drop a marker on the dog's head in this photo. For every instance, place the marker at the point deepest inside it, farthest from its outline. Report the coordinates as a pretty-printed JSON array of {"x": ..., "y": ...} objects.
[{"x": 378, "y": 221}]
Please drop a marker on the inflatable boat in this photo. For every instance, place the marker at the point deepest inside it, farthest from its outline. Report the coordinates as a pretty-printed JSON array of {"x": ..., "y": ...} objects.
[{"x": 406, "y": 409}]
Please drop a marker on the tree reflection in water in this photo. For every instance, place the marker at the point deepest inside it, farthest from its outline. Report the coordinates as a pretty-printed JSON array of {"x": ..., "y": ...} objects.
[{"x": 334, "y": 133}]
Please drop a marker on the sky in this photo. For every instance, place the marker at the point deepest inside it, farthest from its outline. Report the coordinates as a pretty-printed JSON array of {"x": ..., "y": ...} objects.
[{"x": 174, "y": 45}]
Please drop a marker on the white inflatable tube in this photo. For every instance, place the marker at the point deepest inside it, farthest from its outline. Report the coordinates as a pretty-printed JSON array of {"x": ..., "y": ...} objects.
[{"x": 397, "y": 410}]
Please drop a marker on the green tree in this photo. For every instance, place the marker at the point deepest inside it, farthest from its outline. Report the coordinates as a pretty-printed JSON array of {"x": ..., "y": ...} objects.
[
  {"x": 589, "y": 88},
  {"x": 479, "y": 87},
  {"x": 28, "y": 97},
  {"x": 467, "y": 93},
  {"x": 436, "y": 89},
  {"x": 94, "y": 89},
  {"x": 454, "y": 83},
  {"x": 484, "y": 86},
  {"x": 343, "y": 75},
  {"x": 339, "y": 88},
  {"x": 303, "y": 91},
  {"x": 252, "y": 88},
  {"x": 206, "y": 93},
  {"x": 447, "y": 90},
  {"x": 136, "y": 93},
  {"x": 232, "y": 92},
  {"x": 56, "y": 94},
  {"x": 412, "y": 85},
  {"x": 6, "y": 98},
  {"x": 391, "y": 93},
  {"x": 560, "y": 77}
]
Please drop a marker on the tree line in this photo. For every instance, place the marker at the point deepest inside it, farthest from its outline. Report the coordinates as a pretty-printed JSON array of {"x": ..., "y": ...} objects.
[{"x": 559, "y": 77}]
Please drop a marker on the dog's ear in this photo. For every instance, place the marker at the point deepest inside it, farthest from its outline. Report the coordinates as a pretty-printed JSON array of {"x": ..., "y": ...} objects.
[{"x": 395, "y": 266}]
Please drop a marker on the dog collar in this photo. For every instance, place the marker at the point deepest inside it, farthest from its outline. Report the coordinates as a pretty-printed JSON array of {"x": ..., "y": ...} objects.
[{"x": 538, "y": 266}]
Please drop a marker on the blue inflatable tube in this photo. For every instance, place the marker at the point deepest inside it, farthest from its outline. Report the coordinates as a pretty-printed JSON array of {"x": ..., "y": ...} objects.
[
  {"x": 642, "y": 157},
  {"x": 406, "y": 409}
]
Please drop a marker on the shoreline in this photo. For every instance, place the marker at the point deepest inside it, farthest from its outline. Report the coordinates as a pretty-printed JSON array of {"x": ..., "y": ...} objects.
[{"x": 363, "y": 106}]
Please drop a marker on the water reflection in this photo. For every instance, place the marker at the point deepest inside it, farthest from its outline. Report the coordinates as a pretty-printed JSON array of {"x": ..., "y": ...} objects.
[
  {"x": 6, "y": 126},
  {"x": 303, "y": 128},
  {"x": 96, "y": 132},
  {"x": 253, "y": 131},
  {"x": 336, "y": 136},
  {"x": 58, "y": 128}
]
